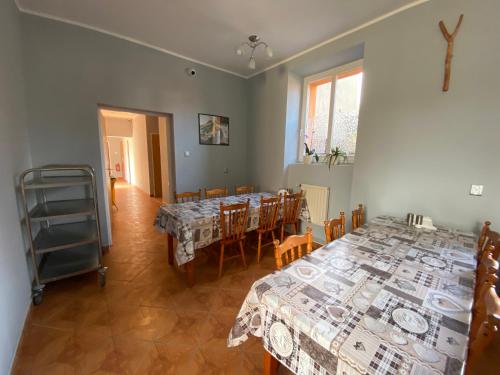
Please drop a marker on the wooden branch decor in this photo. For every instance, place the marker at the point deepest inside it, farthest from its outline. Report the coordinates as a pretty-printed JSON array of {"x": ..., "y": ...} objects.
[{"x": 450, "y": 38}]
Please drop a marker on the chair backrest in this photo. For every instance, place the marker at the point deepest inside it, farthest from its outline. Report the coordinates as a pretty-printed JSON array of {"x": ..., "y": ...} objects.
[
  {"x": 233, "y": 221},
  {"x": 268, "y": 212},
  {"x": 291, "y": 207},
  {"x": 335, "y": 228},
  {"x": 487, "y": 316},
  {"x": 188, "y": 196},
  {"x": 244, "y": 189},
  {"x": 358, "y": 216},
  {"x": 488, "y": 265},
  {"x": 491, "y": 242},
  {"x": 216, "y": 193},
  {"x": 483, "y": 235},
  {"x": 291, "y": 248}
]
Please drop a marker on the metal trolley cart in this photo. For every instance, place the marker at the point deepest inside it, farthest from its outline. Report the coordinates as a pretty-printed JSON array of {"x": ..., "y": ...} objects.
[{"x": 62, "y": 223}]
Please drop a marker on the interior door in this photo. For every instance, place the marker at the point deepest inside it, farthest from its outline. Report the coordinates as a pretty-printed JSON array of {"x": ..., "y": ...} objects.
[{"x": 155, "y": 142}]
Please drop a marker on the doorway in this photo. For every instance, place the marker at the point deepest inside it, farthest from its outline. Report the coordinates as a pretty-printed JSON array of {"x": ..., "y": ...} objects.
[{"x": 137, "y": 152}]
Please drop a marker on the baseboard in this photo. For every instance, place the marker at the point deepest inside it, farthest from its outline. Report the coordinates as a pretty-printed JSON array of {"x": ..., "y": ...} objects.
[{"x": 26, "y": 314}]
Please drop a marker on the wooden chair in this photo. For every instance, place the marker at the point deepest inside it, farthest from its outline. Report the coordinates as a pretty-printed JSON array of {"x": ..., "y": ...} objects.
[
  {"x": 291, "y": 211},
  {"x": 233, "y": 223},
  {"x": 484, "y": 326},
  {"x": 358, "y": 217},
  {"x": 188, "y": 196},
  {"x": 335, "y": 228},
  {"x": 291, "y": 249},
  {"x": 268, "y": 216},
  {"x": 244, "y": 189},
  {"x": 216, "y": 193}
]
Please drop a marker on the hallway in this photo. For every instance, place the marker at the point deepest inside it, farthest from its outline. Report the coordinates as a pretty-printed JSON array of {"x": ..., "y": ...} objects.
[{"x": 145, "y": 320}]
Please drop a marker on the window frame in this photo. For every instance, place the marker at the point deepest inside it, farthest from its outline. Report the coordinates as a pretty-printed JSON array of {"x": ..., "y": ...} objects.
[{"x": 328, "y": 74}]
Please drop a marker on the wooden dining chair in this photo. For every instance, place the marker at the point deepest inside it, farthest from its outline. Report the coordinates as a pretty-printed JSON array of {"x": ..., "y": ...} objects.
[
  {"x": 291, "y": 212},
  {"x": 358, "y": 217},
  {"x": 188, "y": 196},
  {"x": 268, "y": 216},
  {"x": 244, "y": 189},
  {"x": 335, "y": 228},
  {"x": 484, "y": 327},
  {"x": 233, "y": 224},
  {"x": 216, "y": 193},
  {"x": 291, "y": 249}
]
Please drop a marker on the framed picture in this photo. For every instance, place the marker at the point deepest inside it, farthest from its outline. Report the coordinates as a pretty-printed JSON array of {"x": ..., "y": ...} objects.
[{"x": 214, "y": 130}]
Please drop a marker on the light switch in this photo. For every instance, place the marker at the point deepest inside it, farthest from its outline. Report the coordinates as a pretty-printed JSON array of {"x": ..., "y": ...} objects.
[
  {"x": 187, "y": 154},
  {"x": 476, "y": 190}
]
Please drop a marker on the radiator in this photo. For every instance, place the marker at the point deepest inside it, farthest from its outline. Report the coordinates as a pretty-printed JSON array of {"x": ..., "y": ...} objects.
[{"x": 317, "y": 202}]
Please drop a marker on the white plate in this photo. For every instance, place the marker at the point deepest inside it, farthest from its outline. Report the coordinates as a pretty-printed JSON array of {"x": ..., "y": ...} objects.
[{"x": 410, "y": 320}]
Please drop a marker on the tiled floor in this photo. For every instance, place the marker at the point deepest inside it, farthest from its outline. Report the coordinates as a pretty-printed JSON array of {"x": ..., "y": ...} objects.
[{"x": 145, "y": 321}]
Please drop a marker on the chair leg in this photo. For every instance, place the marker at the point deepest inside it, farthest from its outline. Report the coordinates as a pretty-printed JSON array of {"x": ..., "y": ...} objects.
[
  {"x": 272, "y": 234},
  {"x": 242, "y": 250},
  {"x": 295, "y": 228},
  {"x": 282, "y": 232},
  {"x": 221, "y": 260},
  {"x": 259, "y": 247}
]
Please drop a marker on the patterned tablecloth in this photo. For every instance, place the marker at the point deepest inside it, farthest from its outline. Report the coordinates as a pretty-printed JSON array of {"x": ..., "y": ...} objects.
[
  {"x": 197, "y": 224},
  {"x": 385, "y": 299}
]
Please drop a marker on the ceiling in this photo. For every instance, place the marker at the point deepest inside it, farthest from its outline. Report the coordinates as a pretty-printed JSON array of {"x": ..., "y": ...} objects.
[
  {"x": 108, "y": 113},
  {"x": 208, "y": 31}
]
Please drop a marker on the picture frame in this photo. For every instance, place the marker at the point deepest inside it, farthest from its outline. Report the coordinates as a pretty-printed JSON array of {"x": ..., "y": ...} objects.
[{"x": 213, "y": 129}]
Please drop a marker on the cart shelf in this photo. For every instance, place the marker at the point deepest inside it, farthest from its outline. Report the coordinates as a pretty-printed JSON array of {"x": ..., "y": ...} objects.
[
  {"x": 72, "y": 262},
  {"x": 62, "y": 209},
  {"x": 65, "y": 236},
  {"x": 46, "y": 182}
]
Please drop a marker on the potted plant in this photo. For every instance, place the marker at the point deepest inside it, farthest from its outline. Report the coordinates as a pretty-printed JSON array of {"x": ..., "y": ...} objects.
[
  {"x": 333, "y": 156},
  {"x": 309, "y": 155}
]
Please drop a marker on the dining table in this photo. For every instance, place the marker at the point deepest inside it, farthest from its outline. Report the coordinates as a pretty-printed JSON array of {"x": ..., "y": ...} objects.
[
  {"x": 387, "y": 298},
  {"x": 196, "y": 225}
]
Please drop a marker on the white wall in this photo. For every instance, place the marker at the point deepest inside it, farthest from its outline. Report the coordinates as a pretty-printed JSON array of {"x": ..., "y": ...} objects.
[
  {"x": 116, "y": 156},
  {"x": 14, "y": 158},
  {"x": 139, "y": 144},
  {"x": 118, "y": 127}
]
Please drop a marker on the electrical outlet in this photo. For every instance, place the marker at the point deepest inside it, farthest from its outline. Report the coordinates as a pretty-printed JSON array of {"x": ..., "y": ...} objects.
[
  {"x": 226, "y": 170},
  {"x": 476, "y": 190}
]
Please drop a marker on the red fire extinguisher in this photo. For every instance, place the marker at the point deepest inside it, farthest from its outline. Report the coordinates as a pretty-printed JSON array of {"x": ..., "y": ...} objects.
[{"x": 117, "y": 167}]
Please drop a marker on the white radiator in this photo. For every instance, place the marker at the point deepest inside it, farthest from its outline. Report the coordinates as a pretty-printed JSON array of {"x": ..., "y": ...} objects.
[{"x": 317, "y": 201}]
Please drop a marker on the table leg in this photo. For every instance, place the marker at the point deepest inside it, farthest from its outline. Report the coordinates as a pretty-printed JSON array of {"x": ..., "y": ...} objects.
[
  {"x": 189, "y": 267},
  {"x": 170, "y": 248},
  {"x": 270, "y": 364}
]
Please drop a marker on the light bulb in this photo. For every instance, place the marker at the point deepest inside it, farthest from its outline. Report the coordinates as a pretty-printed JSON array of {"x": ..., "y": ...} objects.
[
  {"x": 251, "y": 63},
  {"x": 239, "y": 51},
  {"x": 269, "y": 51}
]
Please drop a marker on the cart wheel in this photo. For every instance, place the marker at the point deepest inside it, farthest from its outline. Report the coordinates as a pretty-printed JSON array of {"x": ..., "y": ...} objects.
[
  {"x": 37, "y": 298},
  {"x": 102, "y": 280}
]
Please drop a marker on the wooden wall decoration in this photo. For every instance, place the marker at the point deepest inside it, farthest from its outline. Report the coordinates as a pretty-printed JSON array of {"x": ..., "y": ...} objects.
[{"x": 450, "y": 39}]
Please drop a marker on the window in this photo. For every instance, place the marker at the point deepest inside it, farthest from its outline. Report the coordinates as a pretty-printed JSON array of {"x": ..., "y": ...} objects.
[{"x": 331, "y": 109}]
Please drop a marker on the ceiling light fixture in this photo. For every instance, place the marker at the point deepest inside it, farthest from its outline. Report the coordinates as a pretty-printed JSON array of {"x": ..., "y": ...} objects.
[{"x": 254, "y": 42}]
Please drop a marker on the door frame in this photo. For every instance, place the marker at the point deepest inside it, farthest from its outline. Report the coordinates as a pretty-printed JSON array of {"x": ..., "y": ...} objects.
[{"x": 102, "y": 167}]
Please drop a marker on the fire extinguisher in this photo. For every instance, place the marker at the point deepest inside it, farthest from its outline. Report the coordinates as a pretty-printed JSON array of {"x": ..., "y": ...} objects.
[{"x": 117, "y": 167}]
